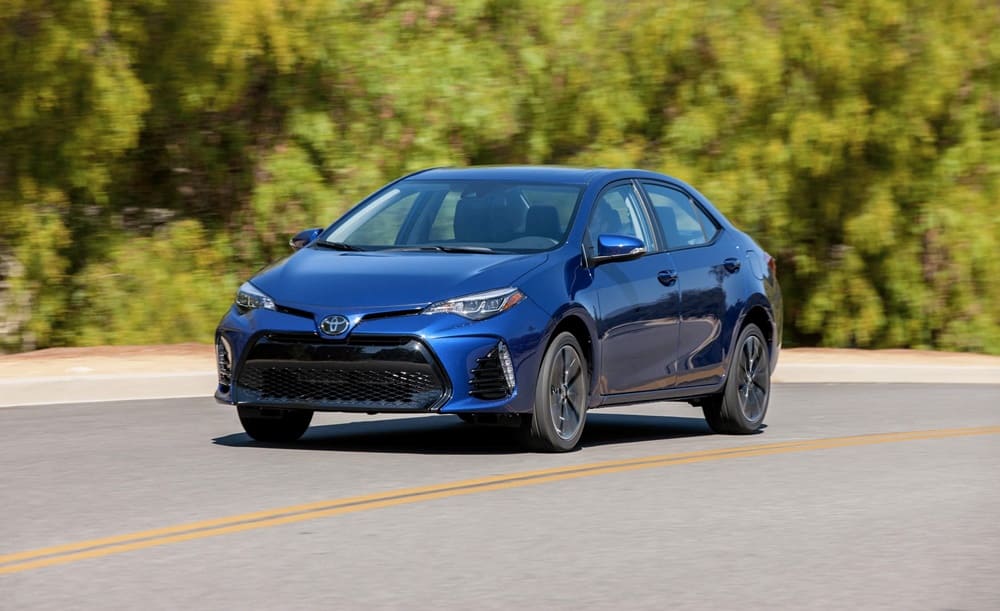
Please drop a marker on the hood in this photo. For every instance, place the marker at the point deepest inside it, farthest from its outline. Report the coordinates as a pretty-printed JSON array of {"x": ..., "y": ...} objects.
[{"x": 380, "y": 279}]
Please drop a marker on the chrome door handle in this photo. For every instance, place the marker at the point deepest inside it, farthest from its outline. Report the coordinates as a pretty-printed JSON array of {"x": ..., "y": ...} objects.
[{"x": 667, "y": 277}]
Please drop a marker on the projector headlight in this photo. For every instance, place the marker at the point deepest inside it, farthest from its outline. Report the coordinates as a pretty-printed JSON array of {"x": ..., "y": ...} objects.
[
  {"x": 250, "y": 297},
  {"x": 480, "y": 305}
]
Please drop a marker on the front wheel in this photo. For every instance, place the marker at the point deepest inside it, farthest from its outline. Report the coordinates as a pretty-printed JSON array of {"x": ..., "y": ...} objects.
[
  {"x": 740, "y": 409},
  {"x": 560, "y": 397},
  {"x": 275, "y": 425}
]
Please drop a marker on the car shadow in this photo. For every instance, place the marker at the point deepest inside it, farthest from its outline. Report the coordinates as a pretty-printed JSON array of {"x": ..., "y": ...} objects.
[{"x": 449, "y": 435}]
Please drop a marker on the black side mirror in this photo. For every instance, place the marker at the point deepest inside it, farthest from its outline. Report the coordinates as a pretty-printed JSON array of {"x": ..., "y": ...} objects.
[
  {"x": 303, "y": 238},
  {"x": 612, "y": 247}
]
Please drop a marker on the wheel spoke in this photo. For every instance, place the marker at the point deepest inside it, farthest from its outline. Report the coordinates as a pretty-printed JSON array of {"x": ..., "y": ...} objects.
[
  {"x": 758, "y": 405},
  {"x": 574, "y": 396},
  {"x": 572, "y": 418},
  {"x": 572, "y": 369},
  {"x": 748, "y": 404},
  {"x": 752, "y": 354},
  {"x": 758, "y": 402},
  {"x": 760, "y": 377}
]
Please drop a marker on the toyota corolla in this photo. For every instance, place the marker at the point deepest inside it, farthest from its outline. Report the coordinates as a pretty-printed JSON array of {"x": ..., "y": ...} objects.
[{"x": 515, "y": 295}]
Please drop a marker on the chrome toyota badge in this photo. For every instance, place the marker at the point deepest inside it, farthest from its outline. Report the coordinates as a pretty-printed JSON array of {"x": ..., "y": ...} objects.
[{"x": 334, "y": 325}]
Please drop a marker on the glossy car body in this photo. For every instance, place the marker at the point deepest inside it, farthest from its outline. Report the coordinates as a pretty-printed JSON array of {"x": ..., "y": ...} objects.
[{"x": 656, "y": 313}]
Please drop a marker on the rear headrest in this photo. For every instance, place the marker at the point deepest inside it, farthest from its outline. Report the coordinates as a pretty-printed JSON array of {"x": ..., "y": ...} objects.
[{"x": 668, "y": 222}]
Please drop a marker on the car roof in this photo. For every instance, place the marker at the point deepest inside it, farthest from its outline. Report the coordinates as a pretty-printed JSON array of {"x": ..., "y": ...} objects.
[{"x": 536, "y": 173}]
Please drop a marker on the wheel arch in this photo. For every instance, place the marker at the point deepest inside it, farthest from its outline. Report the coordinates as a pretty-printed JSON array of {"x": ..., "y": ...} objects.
[
  {"x": 759, "y": 313},
  {"x": 576, "y": 324}
]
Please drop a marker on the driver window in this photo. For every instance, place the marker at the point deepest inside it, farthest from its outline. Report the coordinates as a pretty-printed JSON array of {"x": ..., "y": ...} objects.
[{"x": 617, "y": 212}]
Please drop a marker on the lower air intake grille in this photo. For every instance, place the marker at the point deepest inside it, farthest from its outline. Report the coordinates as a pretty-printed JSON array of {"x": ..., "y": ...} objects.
[
  {"x": 488, "y": 381},
  {"x": 383, "y": 375}
]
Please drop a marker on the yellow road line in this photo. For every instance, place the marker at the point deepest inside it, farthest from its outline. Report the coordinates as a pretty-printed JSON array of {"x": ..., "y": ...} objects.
[{"x": 94, "y": 548}]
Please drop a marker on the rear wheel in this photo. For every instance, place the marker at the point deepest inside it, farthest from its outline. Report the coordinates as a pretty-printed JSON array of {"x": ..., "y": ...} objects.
[
  {"x": 560, "y": 397},
  {"x": 741, "y": 407},
  {"x": 275, "y": 425}
]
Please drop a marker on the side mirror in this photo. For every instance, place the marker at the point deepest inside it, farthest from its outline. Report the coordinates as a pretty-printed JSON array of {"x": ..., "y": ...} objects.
[
  {"x": 303, "y": 238},
  {"x": 618, "y": 248}
]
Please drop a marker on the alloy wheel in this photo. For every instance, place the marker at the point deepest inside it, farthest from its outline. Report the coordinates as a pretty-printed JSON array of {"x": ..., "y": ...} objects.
[
  {"x": 567, "y": 394},
  {"x": 752, "y": 391}
]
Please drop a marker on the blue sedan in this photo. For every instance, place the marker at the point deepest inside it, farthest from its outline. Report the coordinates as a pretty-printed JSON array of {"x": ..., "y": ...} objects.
[{"x": 508, "y": 295}]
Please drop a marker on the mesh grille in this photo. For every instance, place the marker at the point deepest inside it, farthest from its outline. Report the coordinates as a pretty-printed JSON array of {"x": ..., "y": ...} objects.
[{"x": 381, "y": 375}]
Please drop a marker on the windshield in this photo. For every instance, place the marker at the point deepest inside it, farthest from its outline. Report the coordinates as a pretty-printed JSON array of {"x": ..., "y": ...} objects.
[{"x": 460, "y": 216}]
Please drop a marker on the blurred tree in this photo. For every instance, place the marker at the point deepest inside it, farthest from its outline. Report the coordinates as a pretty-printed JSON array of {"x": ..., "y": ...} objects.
[
  {"x": 154, "y": 152},
  {"x": 71, "y": 105}
]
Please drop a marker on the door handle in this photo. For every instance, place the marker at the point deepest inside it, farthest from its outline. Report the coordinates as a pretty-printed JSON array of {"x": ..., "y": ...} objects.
[
  {"x": 667, "y": 277},
  {"x": 732, "y": 265}
]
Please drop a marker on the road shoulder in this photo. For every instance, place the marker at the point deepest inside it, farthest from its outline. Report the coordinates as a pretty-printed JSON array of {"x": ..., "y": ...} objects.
[{"x": 109, "y": 373}]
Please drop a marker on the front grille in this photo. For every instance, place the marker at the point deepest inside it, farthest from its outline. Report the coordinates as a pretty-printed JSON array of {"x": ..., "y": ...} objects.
[
  {"x": 380, "y": 374},
  {"x": 488, "y": 381}
]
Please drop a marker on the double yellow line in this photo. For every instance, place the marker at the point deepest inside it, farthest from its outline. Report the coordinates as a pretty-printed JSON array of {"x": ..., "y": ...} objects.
[{"x": 95, "y": 548}]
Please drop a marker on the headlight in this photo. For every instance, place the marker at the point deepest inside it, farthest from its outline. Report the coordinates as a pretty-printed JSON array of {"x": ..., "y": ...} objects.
[
  {"x": 250, "y": 297},
  {"x": 480, "y": 305}
]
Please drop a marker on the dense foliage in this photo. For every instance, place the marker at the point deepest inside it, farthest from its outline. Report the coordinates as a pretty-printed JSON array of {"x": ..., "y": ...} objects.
[{"x": 155, "y": 152}]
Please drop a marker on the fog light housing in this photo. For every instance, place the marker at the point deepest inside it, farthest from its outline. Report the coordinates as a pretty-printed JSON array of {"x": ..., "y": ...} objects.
[
  {"x": 224, "y": 362},
  {"x": 493, "y": 376},
  {"x": 507, "y": 365}
]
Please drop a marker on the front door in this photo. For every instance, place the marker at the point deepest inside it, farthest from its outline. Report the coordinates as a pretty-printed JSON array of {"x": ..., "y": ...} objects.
[{"x": 637, "y": 301}]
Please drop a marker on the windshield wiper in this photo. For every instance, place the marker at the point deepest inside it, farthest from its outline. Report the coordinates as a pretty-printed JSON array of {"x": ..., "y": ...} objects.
[
  {"x": 472, "y": 249},
  {"x": 339, "y": 246},
  {"x": 439, "y": 248}
]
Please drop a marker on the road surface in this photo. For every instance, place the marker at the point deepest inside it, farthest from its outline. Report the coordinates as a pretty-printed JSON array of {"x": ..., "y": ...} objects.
[{"x": 855, "y": 496}]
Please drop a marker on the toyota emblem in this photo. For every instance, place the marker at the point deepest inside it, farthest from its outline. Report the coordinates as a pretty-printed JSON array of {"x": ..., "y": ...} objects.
[{"x": 334, "y": 325}]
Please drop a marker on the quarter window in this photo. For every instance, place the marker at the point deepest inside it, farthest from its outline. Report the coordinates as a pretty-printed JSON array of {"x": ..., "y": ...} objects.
[{"x": 682, "y": 221}]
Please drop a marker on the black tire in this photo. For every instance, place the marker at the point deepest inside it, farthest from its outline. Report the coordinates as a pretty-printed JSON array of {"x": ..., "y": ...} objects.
[
  {"x": 275, "y": 425},
  {"x": 561, "y": 394},
  {"x": 741, "y": 407}
]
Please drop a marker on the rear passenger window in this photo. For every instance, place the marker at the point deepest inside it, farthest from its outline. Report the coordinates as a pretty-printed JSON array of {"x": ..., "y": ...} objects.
[{"x": 682, "y": 221}]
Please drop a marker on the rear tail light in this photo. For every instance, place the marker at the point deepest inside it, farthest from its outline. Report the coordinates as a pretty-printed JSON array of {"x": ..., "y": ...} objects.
[{"x": 772, "y": 265}]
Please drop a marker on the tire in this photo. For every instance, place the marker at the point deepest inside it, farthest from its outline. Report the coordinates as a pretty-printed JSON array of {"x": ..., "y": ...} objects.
[
  {"x": 741, "y": 407},
  {"x": 275, "y": 425},
  {"x": 561, "y": 393}
]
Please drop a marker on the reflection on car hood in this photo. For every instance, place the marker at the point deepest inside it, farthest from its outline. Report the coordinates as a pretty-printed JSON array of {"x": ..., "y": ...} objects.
[{"x": 379, "y": 279}]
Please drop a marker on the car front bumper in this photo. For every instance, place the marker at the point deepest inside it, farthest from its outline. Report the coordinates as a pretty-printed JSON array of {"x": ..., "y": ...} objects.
[{"x": 407, "y": 363}]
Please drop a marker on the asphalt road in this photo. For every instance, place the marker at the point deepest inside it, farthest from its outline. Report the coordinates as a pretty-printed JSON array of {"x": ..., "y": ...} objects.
[{"x": 864, "y": 496}]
